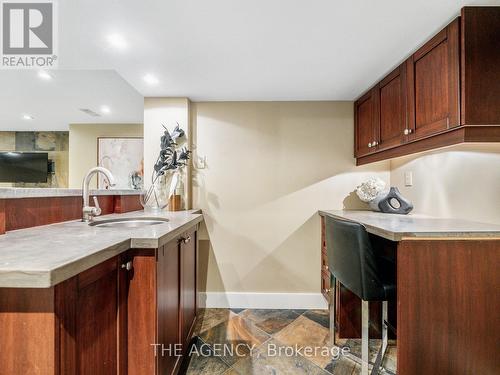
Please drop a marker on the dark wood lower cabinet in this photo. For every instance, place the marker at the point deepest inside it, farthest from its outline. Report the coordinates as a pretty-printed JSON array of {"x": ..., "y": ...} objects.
[
  {"x": 168, "y": 274},
  {"x": 96, "y": 323},
  {"x": 142, "y": 311},
  {"x": 188, "y": 286},
  {"x": 161, "y": 306},
  {"x": 448, "y": 307},
  {"x": 88, "y": 310},
  {"x": 131, "y": 314}
]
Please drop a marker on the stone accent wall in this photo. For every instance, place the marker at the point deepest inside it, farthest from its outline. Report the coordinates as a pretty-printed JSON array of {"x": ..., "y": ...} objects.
[{"x": 52, "y": 142}]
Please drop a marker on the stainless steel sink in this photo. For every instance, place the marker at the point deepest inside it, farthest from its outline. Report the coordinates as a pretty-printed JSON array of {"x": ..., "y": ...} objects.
[{"x": 128, "y": 222}]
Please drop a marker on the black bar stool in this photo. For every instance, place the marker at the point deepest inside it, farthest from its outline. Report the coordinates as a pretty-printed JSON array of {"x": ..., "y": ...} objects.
[{"x": 355, "y": 263}]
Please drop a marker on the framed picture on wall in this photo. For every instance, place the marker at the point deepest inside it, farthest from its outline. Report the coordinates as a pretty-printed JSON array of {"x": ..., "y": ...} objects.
[{"x": 124, "y": 157}]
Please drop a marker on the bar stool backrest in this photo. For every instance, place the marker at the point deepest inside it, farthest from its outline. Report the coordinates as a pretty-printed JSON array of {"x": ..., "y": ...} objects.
[{"x": 351, "y": 258}]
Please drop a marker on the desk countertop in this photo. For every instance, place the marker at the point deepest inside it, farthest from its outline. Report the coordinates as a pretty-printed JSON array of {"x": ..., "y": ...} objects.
[{"x": 398, "y": 227}]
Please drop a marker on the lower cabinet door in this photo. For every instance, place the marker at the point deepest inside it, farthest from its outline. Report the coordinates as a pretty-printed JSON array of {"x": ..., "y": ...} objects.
[
  {"x": 188, "y": 285},
  {"x": 96, "y": 320},
  {"x": 169, "y": 350}
]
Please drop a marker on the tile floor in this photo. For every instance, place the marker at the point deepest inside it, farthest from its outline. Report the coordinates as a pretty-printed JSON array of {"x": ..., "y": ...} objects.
[{"x": 266, "y": 340}]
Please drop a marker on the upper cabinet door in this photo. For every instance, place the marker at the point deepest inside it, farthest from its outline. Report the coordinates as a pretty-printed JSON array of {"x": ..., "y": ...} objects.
[
  {"x": 365, "y": 123},
  {"x": 392, "y": 91},
  {"x": 433, "y": 80}
]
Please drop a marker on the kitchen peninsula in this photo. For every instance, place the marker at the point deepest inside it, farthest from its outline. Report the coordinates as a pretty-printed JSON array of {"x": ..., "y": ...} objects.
[{"x": 79, "y": 298}]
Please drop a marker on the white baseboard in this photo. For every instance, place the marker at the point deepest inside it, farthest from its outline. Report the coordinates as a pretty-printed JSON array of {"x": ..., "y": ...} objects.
[{"x": 307, "y": 301}]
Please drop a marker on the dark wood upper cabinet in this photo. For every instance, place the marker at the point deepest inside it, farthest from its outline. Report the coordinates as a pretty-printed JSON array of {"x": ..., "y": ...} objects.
[
  {"x": 393, "y": 109},
  {"x": 480, "y": 65},
  {"x": 433, "y": 84},
  {"x": 445, "y": 93},
  {"x": 365, "y": 114}
]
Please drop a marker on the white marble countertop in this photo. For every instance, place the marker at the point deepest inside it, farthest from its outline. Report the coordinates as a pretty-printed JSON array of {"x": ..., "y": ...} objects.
[
  {"x": 398, "y": 227},
  {"x": 43, "y": 256},
  {"x": 11, "y": 193}
]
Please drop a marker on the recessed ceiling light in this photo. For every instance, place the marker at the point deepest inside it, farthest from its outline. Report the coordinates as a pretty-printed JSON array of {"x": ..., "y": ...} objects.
[
  {"x": 28, "y": 117},
  {"x": 117, "y": 41},
  {"x": 42, "y": 74},
  {"x": 105, "y": 109},
  {"x": 150, "y": 79}
]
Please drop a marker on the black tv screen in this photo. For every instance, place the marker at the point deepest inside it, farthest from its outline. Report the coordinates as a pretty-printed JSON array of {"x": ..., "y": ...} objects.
[{"x": 23, "y": 166}]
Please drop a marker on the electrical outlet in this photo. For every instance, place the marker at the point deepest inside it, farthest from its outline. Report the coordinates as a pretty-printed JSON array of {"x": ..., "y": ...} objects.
[{"x": 409, "y": 178}]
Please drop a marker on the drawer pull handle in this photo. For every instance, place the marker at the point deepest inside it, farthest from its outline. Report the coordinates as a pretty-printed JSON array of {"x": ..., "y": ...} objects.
[{"x": 186, "y": 239}]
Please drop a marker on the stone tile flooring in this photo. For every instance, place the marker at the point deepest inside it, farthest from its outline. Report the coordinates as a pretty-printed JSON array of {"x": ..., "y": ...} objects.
[{"x": 255, "y": 342}]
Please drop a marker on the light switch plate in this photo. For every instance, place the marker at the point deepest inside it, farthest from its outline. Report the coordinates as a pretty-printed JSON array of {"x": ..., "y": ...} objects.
[
  {"x": 408, "y": 178},
  {"x": 201, "y": 162}
]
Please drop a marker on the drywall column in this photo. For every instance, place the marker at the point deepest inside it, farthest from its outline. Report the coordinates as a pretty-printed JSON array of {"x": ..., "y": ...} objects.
[{"x": 168, "y": 112}]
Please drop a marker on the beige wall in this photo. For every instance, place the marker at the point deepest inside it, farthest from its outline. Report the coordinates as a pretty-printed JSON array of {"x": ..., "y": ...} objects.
[
  {"x": 270, "y": 167},
  {"x": 83, "y": 146},
  {"x": 461, "y": 182}
]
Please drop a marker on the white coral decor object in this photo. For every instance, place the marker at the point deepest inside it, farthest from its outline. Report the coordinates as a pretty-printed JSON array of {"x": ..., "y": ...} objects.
[{"x": 369, "y": 189}]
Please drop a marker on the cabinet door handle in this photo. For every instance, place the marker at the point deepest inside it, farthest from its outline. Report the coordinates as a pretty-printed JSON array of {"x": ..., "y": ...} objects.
[
  {"x": 127, "y": 266},
  {"x": 374, "y": 143},
  {"x": 407, "y": 131},
  {"x": 186, "y": 239},
  {"x": 370, "y": 145}
]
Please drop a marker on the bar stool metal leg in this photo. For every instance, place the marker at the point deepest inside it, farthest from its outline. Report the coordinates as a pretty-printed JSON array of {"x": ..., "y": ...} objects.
[
  {"x": 332, "y": 310},
  {"x": 365, "y": 316},
  {"x": 383, "y": 347},
  {"x": 384, "y": 328}
]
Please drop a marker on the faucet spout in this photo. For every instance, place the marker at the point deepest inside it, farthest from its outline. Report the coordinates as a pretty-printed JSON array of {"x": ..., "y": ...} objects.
[{"x": 89, "y": 212}]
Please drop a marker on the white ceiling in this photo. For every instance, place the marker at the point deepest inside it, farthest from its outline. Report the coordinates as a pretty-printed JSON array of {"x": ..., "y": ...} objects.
[
  {"x": 250, "y": 50},
  {"x": 56, "y": 103}
]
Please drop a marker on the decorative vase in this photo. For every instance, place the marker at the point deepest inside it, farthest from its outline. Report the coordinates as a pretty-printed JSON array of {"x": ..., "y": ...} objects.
[{"x": 156, "y": 198}]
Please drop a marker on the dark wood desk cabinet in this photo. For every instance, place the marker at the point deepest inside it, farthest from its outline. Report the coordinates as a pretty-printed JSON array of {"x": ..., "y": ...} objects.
[
  {"x": 447, "y": 305},
  {"x": 105, "y": 320},
  {"x": 445, "y": 93}
]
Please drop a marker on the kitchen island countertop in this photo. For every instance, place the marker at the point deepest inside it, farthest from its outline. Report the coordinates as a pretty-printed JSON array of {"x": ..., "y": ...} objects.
[{"x": 41, "y": 257}]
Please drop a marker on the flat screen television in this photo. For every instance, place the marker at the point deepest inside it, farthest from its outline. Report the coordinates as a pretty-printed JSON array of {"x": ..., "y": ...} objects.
[{"x": 24, "y": 166}]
